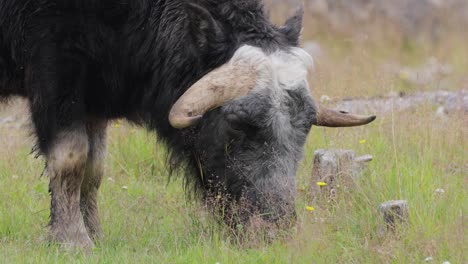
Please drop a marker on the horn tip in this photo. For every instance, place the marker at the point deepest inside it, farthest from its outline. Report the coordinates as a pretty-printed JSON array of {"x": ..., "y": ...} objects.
[
  {"x": 182, "y": 121},
  {"x": 371, "y": 119}
]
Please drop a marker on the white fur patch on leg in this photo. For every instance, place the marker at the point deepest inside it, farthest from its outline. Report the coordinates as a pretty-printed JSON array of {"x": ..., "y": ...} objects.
[{"x": 69, "y": 151}]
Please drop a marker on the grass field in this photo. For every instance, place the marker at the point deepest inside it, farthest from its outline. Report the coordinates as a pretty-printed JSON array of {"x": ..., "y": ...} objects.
[{"x": 152, "y": 221}]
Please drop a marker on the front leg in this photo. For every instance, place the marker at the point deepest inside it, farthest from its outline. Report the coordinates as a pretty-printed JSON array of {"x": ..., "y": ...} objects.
[
  {"x": 66, "y": 163},
  {"x": 96, "y": 130},
  {"x": 56, "y": 82}
]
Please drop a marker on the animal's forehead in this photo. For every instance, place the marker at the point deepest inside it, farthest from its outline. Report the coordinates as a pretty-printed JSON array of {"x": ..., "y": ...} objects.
[
  {"x": 281, "y": 92},
  {"x": 281, "y": 69}
]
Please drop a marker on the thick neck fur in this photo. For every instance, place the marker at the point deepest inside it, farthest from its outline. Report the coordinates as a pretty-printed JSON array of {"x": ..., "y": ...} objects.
[{"x": 176, "y": 60}]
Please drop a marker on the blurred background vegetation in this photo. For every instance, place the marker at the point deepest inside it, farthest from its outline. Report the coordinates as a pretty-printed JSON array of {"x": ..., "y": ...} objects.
[{"x": 386, "y": 41}]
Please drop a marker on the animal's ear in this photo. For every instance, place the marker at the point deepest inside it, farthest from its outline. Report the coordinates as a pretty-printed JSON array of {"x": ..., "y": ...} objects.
[
  {"x": 204, "y": 28},
  {"x": 293, "y": 27}
]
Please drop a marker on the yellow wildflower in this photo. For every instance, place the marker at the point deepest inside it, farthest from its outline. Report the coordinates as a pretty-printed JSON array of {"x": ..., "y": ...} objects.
[
  {"x": 321, "y": 184},
  {"x": 362, "y": 141},
  {"x": 310, "y": 208},
  {"x": 404, "y": 75}
]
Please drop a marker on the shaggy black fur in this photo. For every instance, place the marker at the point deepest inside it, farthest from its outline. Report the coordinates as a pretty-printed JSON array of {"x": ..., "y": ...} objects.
[{"x": 106, "y": 59}]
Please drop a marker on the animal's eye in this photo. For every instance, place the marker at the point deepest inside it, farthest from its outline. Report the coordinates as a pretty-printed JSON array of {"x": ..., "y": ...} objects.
[
  {"x": 235, "y": 122},
  {"x": 240, "y": 126}
]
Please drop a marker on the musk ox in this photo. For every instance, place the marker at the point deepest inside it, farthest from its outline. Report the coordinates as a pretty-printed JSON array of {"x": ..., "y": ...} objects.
[{"x": 223, "y": 87}]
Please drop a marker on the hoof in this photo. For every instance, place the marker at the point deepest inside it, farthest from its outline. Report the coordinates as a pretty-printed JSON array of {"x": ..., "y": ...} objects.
[
  {"x": 96, "y": 237},
  {"x": 77, "y": 241}
]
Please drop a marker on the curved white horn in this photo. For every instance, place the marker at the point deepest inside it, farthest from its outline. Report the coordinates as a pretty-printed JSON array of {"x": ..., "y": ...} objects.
[{"x": 228, "y": 82}]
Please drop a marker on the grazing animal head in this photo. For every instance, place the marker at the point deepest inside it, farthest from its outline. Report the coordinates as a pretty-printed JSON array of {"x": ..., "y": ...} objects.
[{"x": 251, "y": 117}]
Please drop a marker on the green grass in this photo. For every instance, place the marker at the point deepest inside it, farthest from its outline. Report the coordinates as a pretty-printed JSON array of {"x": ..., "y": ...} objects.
[{"x": 153, "y": 222}]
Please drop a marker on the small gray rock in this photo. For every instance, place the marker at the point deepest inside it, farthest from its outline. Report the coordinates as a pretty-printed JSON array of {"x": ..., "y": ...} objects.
[
  {"x": 394, "y": 213},
  {"x": 335, "y": 167}
]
